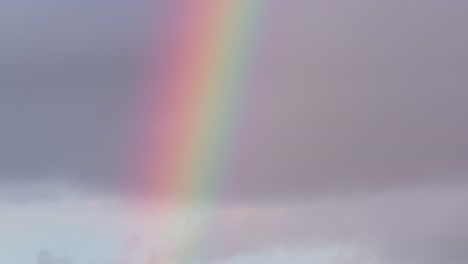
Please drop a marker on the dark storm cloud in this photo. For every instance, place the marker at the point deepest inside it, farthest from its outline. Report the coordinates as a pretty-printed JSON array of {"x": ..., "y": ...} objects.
[{"x": 351, "y": 96}]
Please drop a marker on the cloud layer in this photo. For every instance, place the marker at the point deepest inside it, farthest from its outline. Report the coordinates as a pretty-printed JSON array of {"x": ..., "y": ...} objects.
[
  {"x": 354, "y": 129},
  {"x": 417, "y": 225},
  {"x": 348, "y": 96}
]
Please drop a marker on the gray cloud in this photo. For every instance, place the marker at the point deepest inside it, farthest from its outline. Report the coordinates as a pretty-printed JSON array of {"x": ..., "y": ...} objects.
[
  {"x": 349, "y": 97},
  {"x": 68, "y": 82},
  {"x": 355, "y": 96}
]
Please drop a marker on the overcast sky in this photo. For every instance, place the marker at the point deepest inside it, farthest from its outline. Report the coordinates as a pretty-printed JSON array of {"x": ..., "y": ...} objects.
[{"x": 354, "y": 143}]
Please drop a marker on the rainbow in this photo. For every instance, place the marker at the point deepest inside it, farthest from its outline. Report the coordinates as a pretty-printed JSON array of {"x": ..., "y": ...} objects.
[
  {"x": 198, "y": 99},
  {"x": 194, "y": 105}
]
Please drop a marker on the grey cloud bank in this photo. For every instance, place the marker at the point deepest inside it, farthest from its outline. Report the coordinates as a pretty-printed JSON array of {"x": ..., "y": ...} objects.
[
  {"x": 349, "y": 96},
  {"x": 410, "y": 225}
]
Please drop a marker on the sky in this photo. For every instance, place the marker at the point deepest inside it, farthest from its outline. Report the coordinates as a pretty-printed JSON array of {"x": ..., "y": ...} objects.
[{"x": 354, "y": 152}]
